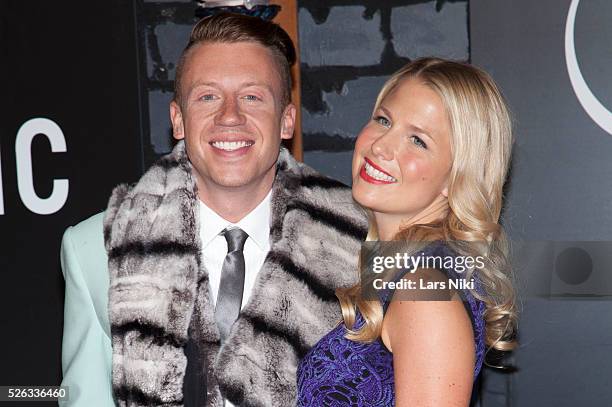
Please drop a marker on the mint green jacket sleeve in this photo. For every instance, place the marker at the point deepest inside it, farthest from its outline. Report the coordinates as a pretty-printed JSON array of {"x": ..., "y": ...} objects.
[{"x": 86, "y": 344}]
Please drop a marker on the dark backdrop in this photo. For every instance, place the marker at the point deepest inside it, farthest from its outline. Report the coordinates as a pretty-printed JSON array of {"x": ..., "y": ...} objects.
[
  {"x": 77, "y": 64},
  {"x": 561, "y": 189},
  {"x": 74, "y": 63}
]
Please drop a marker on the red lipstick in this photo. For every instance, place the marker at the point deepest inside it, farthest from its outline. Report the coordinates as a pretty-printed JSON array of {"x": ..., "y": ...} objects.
[{"x": 364, "y": 175}]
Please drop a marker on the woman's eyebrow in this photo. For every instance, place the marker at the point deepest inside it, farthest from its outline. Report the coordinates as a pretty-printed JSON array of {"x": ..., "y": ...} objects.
[
  {"x": 424, "y": 132},
  {"x": 418, "y": 129},
  {"x": 386, "y": 111}
]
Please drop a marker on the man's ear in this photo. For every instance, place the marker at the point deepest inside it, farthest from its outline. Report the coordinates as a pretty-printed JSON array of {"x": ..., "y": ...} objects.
[
  {"x": 288, "y": 122},
  {"x": 176, "y": 117}
]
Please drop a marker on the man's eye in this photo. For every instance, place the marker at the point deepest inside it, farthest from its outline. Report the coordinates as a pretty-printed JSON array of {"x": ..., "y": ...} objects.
[
  {"x": 207, "y": 97},
  {"x": 382, "y": 121},
  {"x": 251, "y": 98},
  {"x": 418, "y": 141}
]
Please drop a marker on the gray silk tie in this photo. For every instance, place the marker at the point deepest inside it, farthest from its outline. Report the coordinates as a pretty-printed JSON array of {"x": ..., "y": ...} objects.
[{"x": 229, "y": 298}]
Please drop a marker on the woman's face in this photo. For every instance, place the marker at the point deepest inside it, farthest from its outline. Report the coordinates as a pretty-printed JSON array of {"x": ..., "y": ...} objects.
[{"x": 402, "y": 158}]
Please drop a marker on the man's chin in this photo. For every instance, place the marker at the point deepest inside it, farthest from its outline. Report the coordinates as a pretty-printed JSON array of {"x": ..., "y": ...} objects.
[
  {"x": 232, "y": 182},
  {"x": 239, "y": 178}
]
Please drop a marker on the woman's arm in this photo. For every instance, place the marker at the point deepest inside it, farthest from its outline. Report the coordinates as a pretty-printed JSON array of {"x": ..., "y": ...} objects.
[{"x": 433, "y": 352}]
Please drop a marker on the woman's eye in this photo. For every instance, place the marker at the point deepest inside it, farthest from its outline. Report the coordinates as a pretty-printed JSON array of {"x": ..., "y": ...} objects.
[
  {"x": 382, "y": 121},
  {"x": 418, "y": 141}
]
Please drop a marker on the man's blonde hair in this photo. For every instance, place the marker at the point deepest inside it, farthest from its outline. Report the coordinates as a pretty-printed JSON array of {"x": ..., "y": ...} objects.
[{"x": 231, "y": 28}]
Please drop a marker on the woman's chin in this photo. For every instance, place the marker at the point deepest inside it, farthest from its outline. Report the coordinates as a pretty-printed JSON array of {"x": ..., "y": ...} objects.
[{"x": 367, "y": 200}]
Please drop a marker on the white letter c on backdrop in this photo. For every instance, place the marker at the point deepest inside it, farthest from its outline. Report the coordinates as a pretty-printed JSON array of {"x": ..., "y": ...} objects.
[{"x": 23, "y": 156}]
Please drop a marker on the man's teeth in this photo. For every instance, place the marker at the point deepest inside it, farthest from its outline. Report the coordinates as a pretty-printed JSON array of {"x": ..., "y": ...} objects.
[
  {"x": 231, "y": 145},
  {"x": 376, "y": 174}
]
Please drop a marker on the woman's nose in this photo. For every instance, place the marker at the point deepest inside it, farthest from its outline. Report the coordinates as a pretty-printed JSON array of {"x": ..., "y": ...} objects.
[{"x": 383, "y": 147}]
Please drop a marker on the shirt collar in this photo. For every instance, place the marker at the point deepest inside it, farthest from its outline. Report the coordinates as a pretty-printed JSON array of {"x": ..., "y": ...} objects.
[{"x": 256, "y": 223}]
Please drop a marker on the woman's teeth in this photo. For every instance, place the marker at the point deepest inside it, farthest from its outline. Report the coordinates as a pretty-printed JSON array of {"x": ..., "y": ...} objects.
[
  {"x": 376, "y": 174},
  {"x": 231, "y": 145}
]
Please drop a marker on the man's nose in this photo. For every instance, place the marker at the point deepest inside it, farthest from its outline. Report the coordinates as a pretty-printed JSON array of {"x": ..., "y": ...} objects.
[
  {"x": 229, "y": 114},
  {"x": 384, "y": 147}
]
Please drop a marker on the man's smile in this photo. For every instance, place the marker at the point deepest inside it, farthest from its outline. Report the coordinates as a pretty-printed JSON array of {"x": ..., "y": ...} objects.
[{"x": 232, "y": 145}]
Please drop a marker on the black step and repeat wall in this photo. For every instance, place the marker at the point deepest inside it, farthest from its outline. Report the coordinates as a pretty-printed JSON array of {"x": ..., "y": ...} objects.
[
  {"x": 84, "y": 107},
  {"x": 69, "y": 132}
]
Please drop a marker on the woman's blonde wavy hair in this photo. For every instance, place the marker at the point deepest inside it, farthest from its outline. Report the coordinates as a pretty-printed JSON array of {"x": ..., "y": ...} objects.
[{"x": 481, "y": 144}]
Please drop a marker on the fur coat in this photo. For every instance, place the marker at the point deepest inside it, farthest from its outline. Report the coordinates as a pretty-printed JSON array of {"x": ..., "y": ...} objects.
[{"x": 159, "y": 292}]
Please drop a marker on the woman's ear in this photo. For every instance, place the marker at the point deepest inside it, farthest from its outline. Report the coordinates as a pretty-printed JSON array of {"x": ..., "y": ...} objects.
[{"x": 444, "y": 191}]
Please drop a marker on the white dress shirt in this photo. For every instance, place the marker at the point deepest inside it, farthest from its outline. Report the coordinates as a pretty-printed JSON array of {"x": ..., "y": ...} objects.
[{"x": 214, "y": 246}]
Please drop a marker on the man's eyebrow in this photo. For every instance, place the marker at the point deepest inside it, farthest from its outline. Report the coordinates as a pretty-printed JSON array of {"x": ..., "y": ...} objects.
[
  {"x": 258, "y": 84},
  {"x": 214, "y": 84},
  {"x": 200, "y": 83}
]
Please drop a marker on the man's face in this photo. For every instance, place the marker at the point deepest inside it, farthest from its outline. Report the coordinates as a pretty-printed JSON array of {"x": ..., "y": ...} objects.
[{"x": 230, "y": 116}]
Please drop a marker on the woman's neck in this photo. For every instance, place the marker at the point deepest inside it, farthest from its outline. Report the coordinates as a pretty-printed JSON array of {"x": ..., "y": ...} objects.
[{"x": 389, "y": 225}]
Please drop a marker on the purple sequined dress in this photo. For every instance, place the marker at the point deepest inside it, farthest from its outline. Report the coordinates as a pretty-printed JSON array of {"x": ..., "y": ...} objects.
[{"x": 338, "y": 372}]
